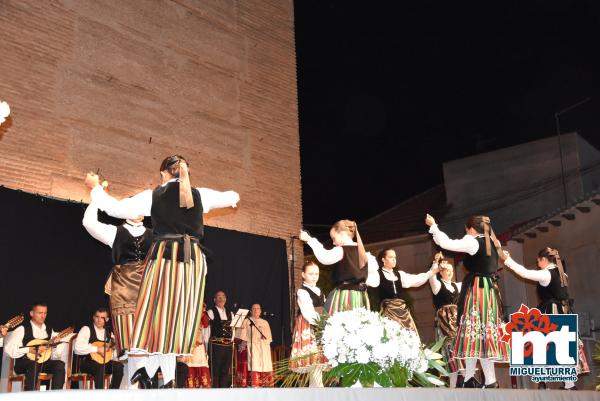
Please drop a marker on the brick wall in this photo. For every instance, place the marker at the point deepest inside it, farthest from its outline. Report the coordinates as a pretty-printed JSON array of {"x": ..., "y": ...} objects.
[{"x": 118, "y": 85}]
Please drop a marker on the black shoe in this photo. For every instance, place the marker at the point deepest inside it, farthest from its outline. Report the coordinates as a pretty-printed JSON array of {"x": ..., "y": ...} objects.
[
  {"x": 492, "y": 385},
  {"x": 141, "y": 377},
  {"x": 170, "y": 384},
  {"x": 542, "y": 386},
  {"x": 471, "y": 383}
]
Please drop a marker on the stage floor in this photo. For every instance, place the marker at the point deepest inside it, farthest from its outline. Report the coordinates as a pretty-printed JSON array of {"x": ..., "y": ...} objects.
[{"x": 304, "y": 394}]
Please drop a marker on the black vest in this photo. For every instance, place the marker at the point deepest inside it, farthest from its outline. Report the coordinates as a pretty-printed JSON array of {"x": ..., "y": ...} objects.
[
  {"x": 386, "y": 287},
  {"x": 94, "y": 337},
  {"x": 480, "y": 263},
  {"x": 169, "y": 218},
  {"x": 317, "y": 300},
  {"x": 445, "y": 297},
  {"x": 28, "y": 335},
  {"x": 220, "y": 328},
  {"x": 347, "y": 270},
  {"x": 553, "y": 293},
  {"x": 127, "y": 248}
]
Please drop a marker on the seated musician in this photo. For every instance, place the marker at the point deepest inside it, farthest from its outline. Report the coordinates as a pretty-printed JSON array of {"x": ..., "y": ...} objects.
[
  {"x": 220, "y": 352},
  {"x": 94, "y": 345},
  {"x": 26, "y": 357}
]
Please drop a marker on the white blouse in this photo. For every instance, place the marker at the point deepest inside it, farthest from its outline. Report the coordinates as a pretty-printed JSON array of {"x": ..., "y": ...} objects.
[
  {"x": 408, "y": 280},
  {"x": 436, "y": 285},
  {"x": 141, "y": 203},
  {"x": 467, "y": 244},
  {"x": 305, "y": 303},
  {"x": 542, "y": 276},
  {"x": 106, "y": 233}
]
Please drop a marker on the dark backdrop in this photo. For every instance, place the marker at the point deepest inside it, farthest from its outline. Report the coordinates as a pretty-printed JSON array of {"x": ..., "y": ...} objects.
[{"x": 47, "y": 255}]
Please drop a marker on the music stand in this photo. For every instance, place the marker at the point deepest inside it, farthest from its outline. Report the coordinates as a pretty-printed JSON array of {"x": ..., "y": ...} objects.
[{"x": 236, "y": 323}]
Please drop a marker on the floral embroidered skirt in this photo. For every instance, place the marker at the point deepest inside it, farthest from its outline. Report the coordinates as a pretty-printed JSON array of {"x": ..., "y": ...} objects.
[
  {"x": 306, "y": 354},
  {"x": 480, "y": 327}
]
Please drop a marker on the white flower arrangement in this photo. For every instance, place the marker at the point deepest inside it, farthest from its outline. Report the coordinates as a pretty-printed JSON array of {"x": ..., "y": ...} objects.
[
  {"x": 364, "y": 346},
  {"x": 363, "y": 336},
  {"x": 4, "y": 111}
]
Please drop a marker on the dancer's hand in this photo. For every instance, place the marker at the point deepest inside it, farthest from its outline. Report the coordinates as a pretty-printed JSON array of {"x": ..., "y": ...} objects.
[
  {"x": 435, "y": 269},
  {"x": 437, "y": 257},
  {"x": 92, "y": 180},
  {"x": 504, "y": 255},
  {"x": 3, "y": 331},
  {"x": 429, "y": 220},
  {"x": 304, "y": 236}
]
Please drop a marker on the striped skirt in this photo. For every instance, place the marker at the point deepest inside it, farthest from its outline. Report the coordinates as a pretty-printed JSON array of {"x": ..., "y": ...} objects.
[
  {"x": 169, "y": 307},
  {"x": 480, "y": 327},
  {"x": 344, "y": 300}
]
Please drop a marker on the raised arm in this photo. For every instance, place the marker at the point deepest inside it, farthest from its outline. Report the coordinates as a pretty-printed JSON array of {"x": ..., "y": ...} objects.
[
  {"x": 212, "y": 199},
  {"x": 467, "y": 244},
  {"x": 542, "y": 276},
  {"x": 324, "y": 256},
  {"x": 373, "y": 272},
  {"x": 415, "y": 280},
  {"x": 128, "y": 208},
  {"x": 435, "y": 284},
  {"x": 104, "y": 233}
]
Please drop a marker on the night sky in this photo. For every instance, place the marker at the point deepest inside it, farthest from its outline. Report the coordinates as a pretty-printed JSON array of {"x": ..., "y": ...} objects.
[{"x": 389, "y": 90}]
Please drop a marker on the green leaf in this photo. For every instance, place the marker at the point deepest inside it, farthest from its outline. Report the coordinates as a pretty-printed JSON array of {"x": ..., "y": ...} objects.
[
  {"x": 438, "y": 345},
  {"x": 435, "y": 365},
  {"x": 399, "y": 375},
  {"x": 384, "y": 379}
]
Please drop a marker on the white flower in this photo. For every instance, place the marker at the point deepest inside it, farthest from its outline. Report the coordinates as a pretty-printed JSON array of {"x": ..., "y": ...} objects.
[
  {"x": 4, "y": 111},
  {"x": 362, "y": 336}
]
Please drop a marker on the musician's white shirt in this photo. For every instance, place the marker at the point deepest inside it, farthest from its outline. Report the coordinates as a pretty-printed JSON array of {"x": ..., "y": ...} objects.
[
  {"x": 82, "y": 343},
  {"x": 14, "y": 347}
]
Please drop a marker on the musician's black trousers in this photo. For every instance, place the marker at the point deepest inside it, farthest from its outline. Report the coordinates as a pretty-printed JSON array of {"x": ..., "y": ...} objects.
[
  {"x": 220, "y": 365},
  {"x": 95, "y": 369},
  {"x": 27, "y": 367}
]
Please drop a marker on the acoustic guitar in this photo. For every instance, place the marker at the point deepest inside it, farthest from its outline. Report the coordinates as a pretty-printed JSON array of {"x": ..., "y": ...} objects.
[
  {"x": 14, "y": 322},
  {"x": 45, "y": 351},
  {"x": 97, "y": 357}
]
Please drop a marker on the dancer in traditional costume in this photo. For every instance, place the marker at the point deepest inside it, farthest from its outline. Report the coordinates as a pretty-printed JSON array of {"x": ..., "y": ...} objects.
[
  {"x": 553, "y": 292},
  {"x": 353, "y": 268},
  {"x": 479, "y": 304},
  {"x": 256, "y": 333},
  {"x": 167, "y": 315},
  {"x": 445, "y": 297},
  {"x": 306, "y": 355},
  {"x": 130, "y": 243},
  {"x": 392, "y": 289}
]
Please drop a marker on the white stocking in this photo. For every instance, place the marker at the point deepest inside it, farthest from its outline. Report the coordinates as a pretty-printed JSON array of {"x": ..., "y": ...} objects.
[
  {"x": 168, "y": 364},
  {"x": 470, "y": 365},
  {"x": 489, "y": 370}
]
